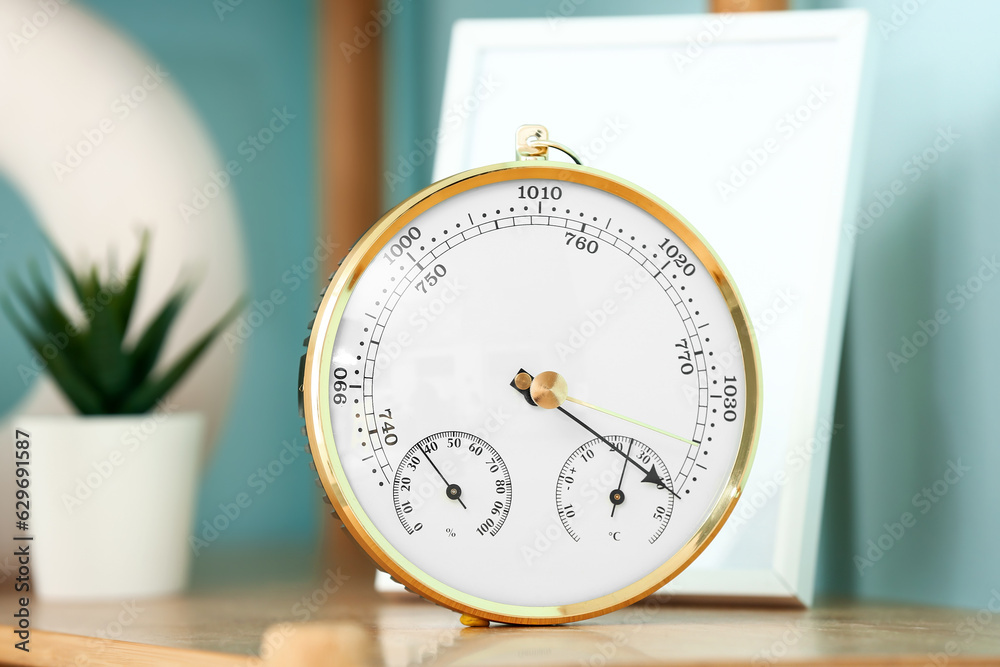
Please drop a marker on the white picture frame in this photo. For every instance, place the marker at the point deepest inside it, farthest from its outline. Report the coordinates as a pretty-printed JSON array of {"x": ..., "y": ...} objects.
[{"x": 749, "y": 125}]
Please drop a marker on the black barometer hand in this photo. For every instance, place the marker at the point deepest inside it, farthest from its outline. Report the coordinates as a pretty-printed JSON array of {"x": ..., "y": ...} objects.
[{"x": 548, "y": 390}]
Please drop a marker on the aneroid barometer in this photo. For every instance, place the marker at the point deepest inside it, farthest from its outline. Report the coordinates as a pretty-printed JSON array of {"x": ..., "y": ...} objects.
[{"x": 532, "y": 391}]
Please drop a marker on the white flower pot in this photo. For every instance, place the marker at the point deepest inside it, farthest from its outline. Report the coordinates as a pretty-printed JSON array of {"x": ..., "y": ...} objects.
[{"x": 112, "y": 502}]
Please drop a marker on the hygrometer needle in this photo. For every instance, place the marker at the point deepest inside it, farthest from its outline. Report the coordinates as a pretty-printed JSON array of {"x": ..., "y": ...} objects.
[{"x": 453, "y": 491}]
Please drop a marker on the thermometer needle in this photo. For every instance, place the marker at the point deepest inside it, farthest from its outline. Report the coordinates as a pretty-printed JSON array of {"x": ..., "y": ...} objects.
[{"x": 617, "y": 496}]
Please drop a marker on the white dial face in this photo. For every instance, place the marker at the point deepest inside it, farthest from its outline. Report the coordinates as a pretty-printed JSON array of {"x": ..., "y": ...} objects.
[{"x": 459, "y": 470}]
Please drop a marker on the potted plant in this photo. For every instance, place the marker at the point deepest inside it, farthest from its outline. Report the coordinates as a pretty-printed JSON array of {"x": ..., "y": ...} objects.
[{"x": 113, "y": 488}]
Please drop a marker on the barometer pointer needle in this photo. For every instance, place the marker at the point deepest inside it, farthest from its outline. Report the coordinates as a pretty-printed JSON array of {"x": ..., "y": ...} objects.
[
  {"x": 651, "y": 474},
  {"x": 453, "y": 491}
]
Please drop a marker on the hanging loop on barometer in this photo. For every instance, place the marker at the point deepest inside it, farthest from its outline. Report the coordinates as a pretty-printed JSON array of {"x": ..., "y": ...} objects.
[{"x": 532, "y": 143}]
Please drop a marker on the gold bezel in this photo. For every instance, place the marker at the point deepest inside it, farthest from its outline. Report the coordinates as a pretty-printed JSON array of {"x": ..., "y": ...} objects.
[{"x": 317, "y": 411}]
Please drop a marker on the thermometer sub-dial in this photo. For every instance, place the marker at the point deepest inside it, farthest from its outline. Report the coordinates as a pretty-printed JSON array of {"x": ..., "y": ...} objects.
[
  {"x": 602, "y": 495},
  {"x": 452, "y": 483}
]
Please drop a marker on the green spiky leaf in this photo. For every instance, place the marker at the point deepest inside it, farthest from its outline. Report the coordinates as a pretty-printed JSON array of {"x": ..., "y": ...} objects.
[
  {"x": 92, "y": 364},
  {"x": 66, "y": 268},
  {"x": 125, "y": 300},
  {"x": 147, "y": 350},
  {"x": 76, "y": 386},
  {"x": 152, "y": 390}
]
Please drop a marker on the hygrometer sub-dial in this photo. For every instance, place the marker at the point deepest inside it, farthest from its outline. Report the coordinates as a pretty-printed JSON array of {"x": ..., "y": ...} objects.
[
  {"x": 453, "y": 483},
  {"x": 601, "y": 495}
]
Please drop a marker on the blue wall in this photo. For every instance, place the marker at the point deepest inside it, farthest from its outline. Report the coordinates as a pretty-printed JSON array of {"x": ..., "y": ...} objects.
[
  {"x": 234, "y": 69},
  {"x": 20, "y": 237},
  {"x": 908, "y": 423}
]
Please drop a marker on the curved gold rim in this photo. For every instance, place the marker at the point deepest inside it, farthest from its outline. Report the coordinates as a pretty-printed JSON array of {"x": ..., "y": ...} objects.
[{"x": 317, "y": 412}]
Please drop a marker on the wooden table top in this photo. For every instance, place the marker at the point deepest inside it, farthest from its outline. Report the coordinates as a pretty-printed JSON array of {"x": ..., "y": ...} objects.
[{"x": 305, "y": 625}]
